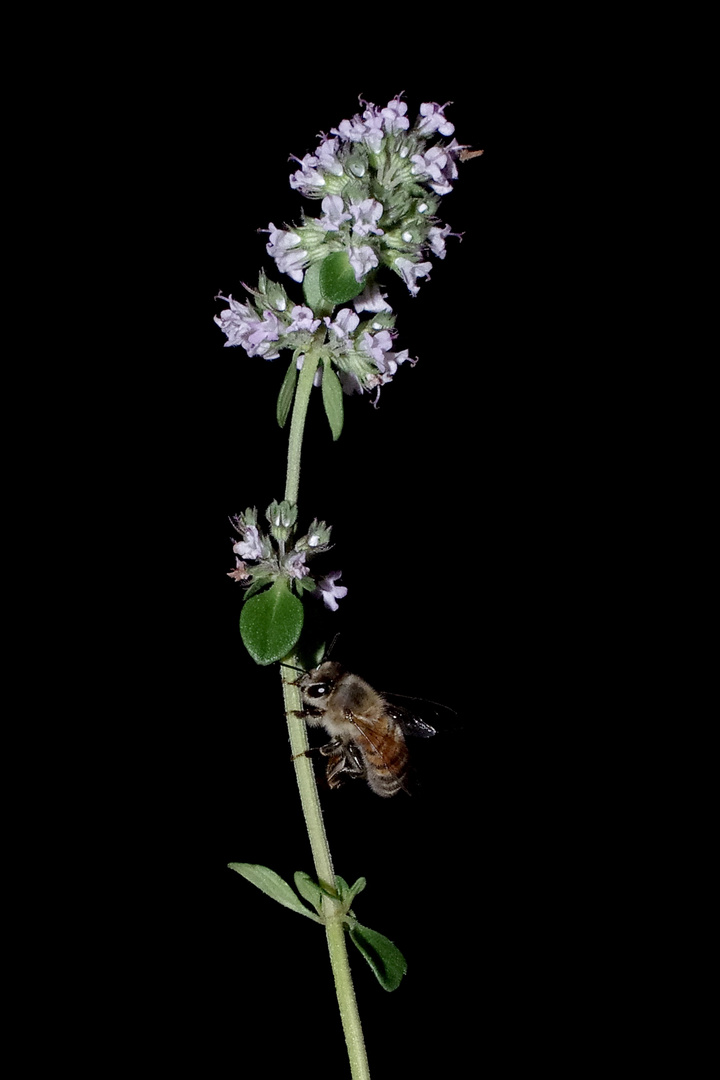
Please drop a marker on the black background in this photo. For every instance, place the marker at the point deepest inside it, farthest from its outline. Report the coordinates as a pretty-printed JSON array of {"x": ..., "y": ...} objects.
[{"x": 444, "y": 504}]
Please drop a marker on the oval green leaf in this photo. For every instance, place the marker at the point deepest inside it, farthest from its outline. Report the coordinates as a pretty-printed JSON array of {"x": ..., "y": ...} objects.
[
  {"x": 311, "y": 288},
  {"x": 384, "y": 958},
  {"x": 337, "y": 278},
  {"x": 270, "y": 623}
]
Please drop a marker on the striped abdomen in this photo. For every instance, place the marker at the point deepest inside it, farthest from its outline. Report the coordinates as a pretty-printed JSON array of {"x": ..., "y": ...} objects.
[{"x": 385, "y": 754}]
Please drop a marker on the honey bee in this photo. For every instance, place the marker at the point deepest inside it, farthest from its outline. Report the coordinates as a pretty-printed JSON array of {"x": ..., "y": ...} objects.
[{"x": 367, "y": 732}]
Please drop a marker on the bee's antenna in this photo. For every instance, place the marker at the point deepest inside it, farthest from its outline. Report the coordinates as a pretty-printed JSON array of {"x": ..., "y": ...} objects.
[
  {"x": 293, "y": 668},
  {"x": 333, "y": 643}
]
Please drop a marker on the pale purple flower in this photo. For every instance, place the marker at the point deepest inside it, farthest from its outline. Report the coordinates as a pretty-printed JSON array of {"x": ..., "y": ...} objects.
[
  {"x": 367, "y": 128},
  {"x": 350, "y": 130},
  {"x": 261, "y": 336},
  {"x": 411, "y": 271},
  {"x": 374, "y": 134},
  {"x": 295, "y": 564},
  {"x": 280, "y": 240},
  {"x": 326, "y": 154},
  {"x": 436, "y": 237},
  {"x": 250, "y": 547},
  {"x": 244, "y": 326},
  {"x": 302, "y": 319},
  {"x": 344, "y": 323},
  {"x": 438, "y": 165},
  {"x": 283, "y": 248},
  {"x": 434, "y": 119},
  {"x": 308, "y": 176},
  {"x": 292, "y": 263},
  {"x": 366, "y": 214},
  {"x": 235, "y": 321},
  {"x": 362, "y": 259},
  {"x": 329, "y": 591},
  {"x": 334, "y": 213},
  {"x": 394, "y": 116},
  {"x": 376, "y": 345},
  {"x": 371, "y": 299},
  {"x": 387, "y": 364}
]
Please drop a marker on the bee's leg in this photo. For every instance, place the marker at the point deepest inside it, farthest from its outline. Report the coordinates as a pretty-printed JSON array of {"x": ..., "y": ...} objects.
[
  {"x": 309, "y": 711},
  {"x": 327, "y": 749},
  {"x": 330, "y": 748},
  {"x": 345, "y": 761}
]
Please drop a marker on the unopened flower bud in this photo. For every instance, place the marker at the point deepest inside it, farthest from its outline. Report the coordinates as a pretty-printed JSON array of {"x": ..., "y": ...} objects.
[
  {"x": 318, "y": 534},
  {"x": 282, "y": 516}
]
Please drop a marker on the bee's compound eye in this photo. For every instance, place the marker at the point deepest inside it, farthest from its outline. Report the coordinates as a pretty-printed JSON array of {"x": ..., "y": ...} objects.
[{"x": 318, "y": 690}]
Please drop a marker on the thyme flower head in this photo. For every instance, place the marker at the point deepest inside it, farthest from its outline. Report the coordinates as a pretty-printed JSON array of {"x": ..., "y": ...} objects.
[{"x": 379, "y": 181}]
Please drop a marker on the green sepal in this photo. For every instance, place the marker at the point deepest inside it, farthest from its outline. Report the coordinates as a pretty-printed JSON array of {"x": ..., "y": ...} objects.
[
  {"x": 305, "y": 584},
  {"x": 337, "y": 278},
  {"x": 385, "y": 959},
  {"x": 332, "y": 399},
  {"x": 272, "y": 885},
  {"x": 270, "y": 623},
  {"x": 287, "y": 393}
]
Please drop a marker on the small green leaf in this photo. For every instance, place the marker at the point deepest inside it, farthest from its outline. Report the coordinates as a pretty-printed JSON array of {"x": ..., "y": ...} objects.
[
  {"x": 337, "y": 278},
  {"x": 273, "y": 885},
  {"x": 287, "y": 392},
  {"x": 270, "y": 623},
  {"x": 357, "y": 888},
  {"x": 341, "y": 887},
  {"x": 332, "y": 400},
  {"x": 308, "y": 889},
  {"x": 347, "y": 894},
  {"x": 384, "y": 958}
]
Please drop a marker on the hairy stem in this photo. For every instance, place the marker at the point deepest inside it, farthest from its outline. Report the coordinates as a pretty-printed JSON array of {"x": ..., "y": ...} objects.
[
  {"x": 305, "y": 775},
  {"x": 312, "y": 811}
]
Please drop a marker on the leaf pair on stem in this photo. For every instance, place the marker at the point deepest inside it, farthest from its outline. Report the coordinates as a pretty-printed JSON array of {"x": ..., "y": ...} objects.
[{"x": 387, "y": 962}]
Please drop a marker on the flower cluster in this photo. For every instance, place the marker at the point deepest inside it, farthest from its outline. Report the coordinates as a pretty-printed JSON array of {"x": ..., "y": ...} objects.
[
  {"x": 360, "y": 349},
  {"x": 261, "y": 557},
  {"x": 379, "y": 181}
]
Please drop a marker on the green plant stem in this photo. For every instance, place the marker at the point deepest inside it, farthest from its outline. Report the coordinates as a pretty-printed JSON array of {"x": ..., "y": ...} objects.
[
  {"x": 297, "y": 424},
  {"x": 305, "y": 775},
  {"x": 312, "y": 811},
  {"x": 322, "y": 859}
]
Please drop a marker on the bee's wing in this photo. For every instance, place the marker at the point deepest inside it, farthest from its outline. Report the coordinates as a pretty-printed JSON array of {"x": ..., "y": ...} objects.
[
  {"x": 420, "y": 717},
  {"x": 410, "y": 722}
]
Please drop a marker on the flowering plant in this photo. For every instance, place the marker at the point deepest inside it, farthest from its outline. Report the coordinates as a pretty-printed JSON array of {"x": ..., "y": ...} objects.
[{"x": 379, "y": 182}]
